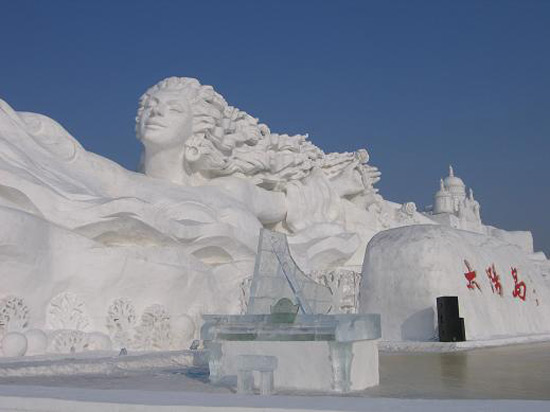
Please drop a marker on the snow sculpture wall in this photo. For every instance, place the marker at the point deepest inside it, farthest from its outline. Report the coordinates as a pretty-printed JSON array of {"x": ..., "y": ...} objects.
[
  {"x": 80, "y": 232},
  {"x": 501, "y": 292},
  {"x": 85, "y": 241}
]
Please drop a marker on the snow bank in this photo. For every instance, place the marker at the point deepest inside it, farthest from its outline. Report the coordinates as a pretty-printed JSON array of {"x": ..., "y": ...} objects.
[
  {"x": 99, "y": 363},
  {"x": 442, "y": 347},
  {"x": 501, "y": 291}
]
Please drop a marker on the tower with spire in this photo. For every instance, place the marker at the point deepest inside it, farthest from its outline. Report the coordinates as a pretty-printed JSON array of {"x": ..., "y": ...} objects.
[{"x": 453, "y": 207}]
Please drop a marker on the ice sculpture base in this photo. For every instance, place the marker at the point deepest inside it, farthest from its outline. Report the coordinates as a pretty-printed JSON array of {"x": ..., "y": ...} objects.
[
  {"x": 322, "y": 353},
  {"x": 322, "y": 366}
]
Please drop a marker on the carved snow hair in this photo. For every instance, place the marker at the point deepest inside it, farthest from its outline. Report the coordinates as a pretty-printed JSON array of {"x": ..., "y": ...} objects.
[
  {"x": 226, "y": 141},
  {"x": 67, "y": 341},
  {"x": 121, "y": 319},
  {"x": 154, "y": 331},
  {"x": 67, "y": 311},
  {"x": 14, "y": 315},
  {"x": 205, "y": 103}
]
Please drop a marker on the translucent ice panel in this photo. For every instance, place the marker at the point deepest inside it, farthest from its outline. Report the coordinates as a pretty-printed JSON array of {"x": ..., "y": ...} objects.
[{"x": 277, "y": 276}]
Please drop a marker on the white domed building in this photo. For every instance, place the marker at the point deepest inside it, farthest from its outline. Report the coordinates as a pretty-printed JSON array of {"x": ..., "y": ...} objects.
[
  {"x": 443, "y": 200},
  {"x": 453, "y": 208}
]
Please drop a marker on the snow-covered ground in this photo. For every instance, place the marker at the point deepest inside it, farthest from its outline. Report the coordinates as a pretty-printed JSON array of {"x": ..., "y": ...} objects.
[
  {"x": 84, "y": 400},
  {"x": 98, "y": 363},
  {"x": 500, "y": 378},
  {"x": 435, "y": 346}
]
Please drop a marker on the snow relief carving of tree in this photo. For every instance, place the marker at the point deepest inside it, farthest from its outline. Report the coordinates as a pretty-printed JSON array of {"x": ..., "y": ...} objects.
[
  {"x": 154, "y": 331},
  {"x": 68, "y": 341},
  {"x": 344, "y": 285},
  {"x": 67, "y": 311},
  {"x": 14, "y": 315},
  {"x": 121, "y": 319}
]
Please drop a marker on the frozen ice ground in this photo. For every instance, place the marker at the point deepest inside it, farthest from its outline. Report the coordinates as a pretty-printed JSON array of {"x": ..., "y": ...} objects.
[
  {"x": 501, "y": 378},
  {"x": 505, "y": 372}
]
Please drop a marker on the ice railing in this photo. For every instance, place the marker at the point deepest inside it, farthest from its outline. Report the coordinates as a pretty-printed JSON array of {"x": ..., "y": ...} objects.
[{"x": 339, "y": 328}]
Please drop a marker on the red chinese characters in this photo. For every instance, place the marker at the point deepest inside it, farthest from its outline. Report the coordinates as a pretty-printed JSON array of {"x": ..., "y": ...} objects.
[
  {"x": 496, "y": 286},
  {"x": 470, "y": 277},
  {"x": 520, "y": 290}
]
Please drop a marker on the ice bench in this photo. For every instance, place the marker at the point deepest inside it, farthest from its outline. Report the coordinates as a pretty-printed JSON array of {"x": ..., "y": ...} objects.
[{"x": 247, "y": 364}]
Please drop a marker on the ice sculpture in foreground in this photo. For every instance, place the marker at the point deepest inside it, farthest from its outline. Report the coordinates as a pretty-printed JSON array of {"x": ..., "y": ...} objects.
[{"x": 286, "y": 328}]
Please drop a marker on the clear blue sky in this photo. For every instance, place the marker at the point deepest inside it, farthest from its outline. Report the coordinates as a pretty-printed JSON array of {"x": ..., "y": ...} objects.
[{"x": 420, "y": 84}]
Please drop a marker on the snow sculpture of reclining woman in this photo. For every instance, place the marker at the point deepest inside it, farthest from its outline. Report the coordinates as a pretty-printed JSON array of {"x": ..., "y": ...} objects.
[{"x": 193, "y": 137}]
